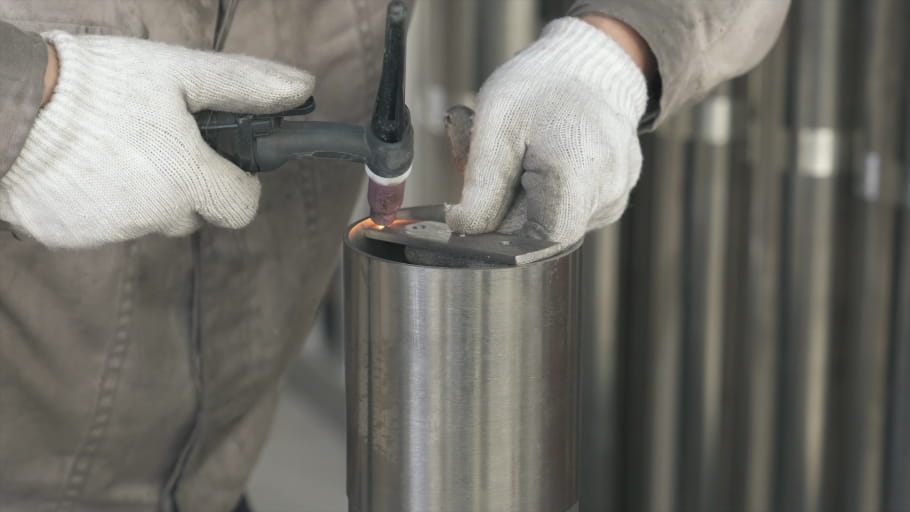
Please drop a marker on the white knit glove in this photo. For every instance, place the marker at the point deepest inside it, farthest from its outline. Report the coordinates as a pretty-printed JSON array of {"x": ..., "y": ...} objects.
[
  {"x": 116, "y": 154},
  {"x": 555, "y": 149}
]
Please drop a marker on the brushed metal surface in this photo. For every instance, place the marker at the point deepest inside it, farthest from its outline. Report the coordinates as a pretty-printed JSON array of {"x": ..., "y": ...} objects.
[
  {"x": 806, "y": 346},
  {"x": 601, "y": 360},
  {"x": 462, "y": 384},
  {"x": 652, "y": 361},
  {"x": 804, "y": 466},
  {"x": 863, "y": 373},
  {"x": 897, "y": 453},
  {"x": 752, "y": 288},
  {"x": 704, "y": 260}
]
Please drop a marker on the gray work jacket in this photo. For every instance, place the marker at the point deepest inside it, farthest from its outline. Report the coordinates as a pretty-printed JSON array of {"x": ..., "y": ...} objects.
[{"x": 143, "y": 376}]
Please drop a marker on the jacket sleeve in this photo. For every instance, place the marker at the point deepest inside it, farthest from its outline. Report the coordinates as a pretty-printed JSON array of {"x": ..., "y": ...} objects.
[
  {"x": 23, "y": 61},
  {"x": 697, "y": 43}
]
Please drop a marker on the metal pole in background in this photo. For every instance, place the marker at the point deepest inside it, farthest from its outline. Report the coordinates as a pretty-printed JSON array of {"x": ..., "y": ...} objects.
[
  {"x": 862, "y": 385},
  {"x": 506, "y": 26},
  {"x": 652, "y": 353},
  {"x": 600, "y": 361},
  {"x": 753, "y": 287},
  {"x": 809, "y": 243},
  {"x": 705, "y": 231},
  {"x": 461, "y": 51},
  {"x": 897, "y": 455}
]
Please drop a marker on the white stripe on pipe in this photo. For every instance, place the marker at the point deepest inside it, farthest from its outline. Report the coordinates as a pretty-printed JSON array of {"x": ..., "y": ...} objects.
[
  {"x": 714, "y": 120},
  {"x": 816, "y": 152},
  {"x": 872, "y": 177}
]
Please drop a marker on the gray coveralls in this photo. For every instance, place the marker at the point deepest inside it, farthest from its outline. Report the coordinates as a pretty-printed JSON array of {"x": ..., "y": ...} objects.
[{"x": 143, "y": 376}]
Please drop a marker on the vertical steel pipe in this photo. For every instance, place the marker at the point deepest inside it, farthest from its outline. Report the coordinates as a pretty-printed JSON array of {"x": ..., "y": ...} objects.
[
  {"x": 600, "y": 363},
  {"x": 753, "y": 287},
  {"x": 652, "y": 363},
  {"x": 897, "y": 468},
  {"x": 462, "y": 23},
  {"x": 864, "y": 365},
  {"x": 462, "y": 389},
  {"x": 897, "y": 455},
  {"x": 506, "y": 26},
  {"x": 816, "y": 116},
  {"x": 703, "y": 305}
]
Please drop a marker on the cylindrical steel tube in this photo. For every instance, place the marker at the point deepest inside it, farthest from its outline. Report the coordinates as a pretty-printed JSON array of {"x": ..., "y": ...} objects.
[
  {"x": 752, "y": 287},
  {"x": 810, "y": 243},
  {"x": 897, "y": 452},
  {"x": 462, "y": 383},
  {"x": 506, "y": 26},
  {"x": 652, "y": 360},
  {"x": 705, "y": 229},
  {"x": 600, "y": 359},
  {"x": 861, "y": 386}
]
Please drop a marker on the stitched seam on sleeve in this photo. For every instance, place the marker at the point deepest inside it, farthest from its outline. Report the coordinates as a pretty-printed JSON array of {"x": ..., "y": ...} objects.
[{"x": 108, "y": 385}]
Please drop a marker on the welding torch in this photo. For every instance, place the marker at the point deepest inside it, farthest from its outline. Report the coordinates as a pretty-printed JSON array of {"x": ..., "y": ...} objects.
[{"x": 260, "y": 143}]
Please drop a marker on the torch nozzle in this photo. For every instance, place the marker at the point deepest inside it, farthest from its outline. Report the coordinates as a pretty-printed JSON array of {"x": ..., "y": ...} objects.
[{"x": 385, "y": 201}]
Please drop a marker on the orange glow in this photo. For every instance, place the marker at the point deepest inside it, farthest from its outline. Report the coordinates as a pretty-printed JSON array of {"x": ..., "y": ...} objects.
[{"x": 369, "y": 224}]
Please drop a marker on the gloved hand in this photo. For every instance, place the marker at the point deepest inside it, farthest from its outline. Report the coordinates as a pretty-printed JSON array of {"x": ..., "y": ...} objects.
[
  {"x": 555, "y": 150},
  {"x": 116, "y": 154}
]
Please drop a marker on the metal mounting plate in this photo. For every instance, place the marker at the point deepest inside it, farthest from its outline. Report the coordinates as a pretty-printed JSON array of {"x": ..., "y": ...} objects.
[{"x": 493, "y": 248}]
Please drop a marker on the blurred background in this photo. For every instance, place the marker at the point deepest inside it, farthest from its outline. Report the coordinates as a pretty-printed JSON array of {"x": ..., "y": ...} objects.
[{"x": 747, "y": 323}]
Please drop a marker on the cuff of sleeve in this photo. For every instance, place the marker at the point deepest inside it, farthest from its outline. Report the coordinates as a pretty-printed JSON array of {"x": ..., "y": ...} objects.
[{"x": 23, "y": 63}]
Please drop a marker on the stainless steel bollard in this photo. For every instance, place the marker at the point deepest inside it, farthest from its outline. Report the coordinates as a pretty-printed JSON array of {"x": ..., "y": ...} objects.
[{"x": 462, "y": 390}]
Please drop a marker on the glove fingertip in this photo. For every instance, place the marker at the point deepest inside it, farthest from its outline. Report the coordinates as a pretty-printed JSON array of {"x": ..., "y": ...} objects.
[
  {"x": 491, "y": 178},
  {"x": 278, "y": 88},
  {"x": 246, "y": 84},
  {"x": 457, "y": 219},
  {"x": 475, "y": 214},
  {"x": 292, "y": 85}
]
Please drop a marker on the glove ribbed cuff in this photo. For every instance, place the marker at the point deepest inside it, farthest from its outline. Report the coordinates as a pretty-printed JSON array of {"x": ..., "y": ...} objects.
[
  {"x": 574, "y": 49},
  {"x": 52, "y": 136}
]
